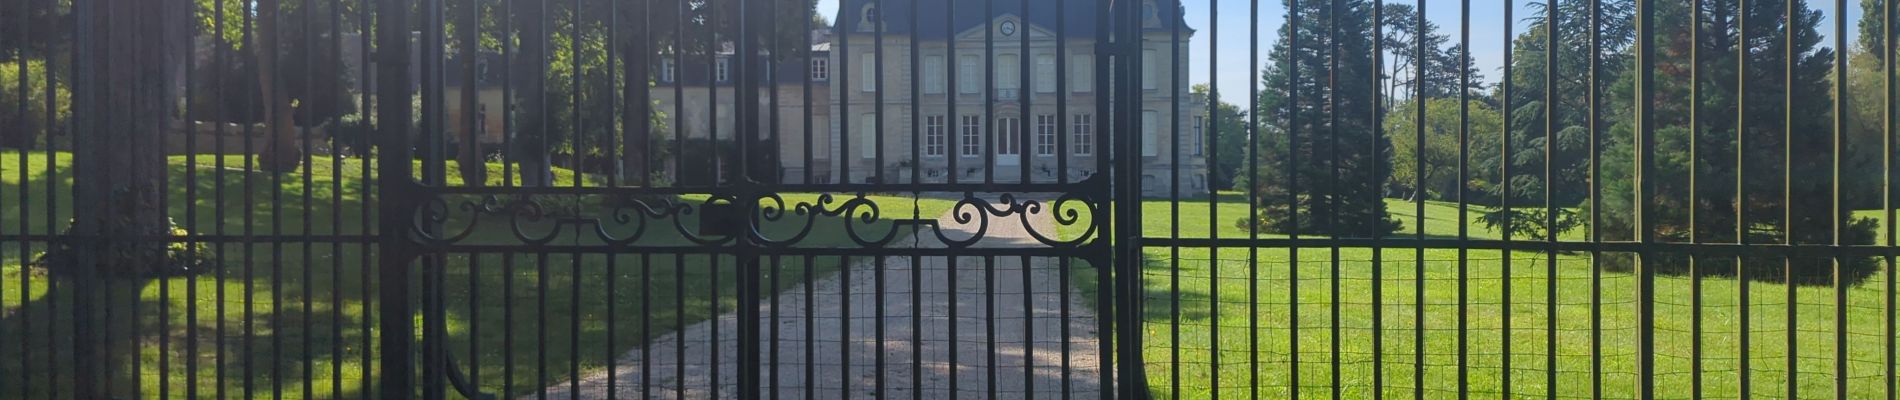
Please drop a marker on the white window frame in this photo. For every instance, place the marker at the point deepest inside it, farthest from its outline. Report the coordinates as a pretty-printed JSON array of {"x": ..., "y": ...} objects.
[
  {"x": 1009, "y": 140},
  {"x": 1045, "y": 73},
  {"x": 723, "y": 70},
  {"x": 820, "y": 68},
  {"x": 971, "y": 136},
  {"x": 933, "y": 74},
  {"x": 968, "y": 69},
  {"x": 1046, "y": 135},
  {"x": 934, "y": 136},
  {"x": 1082, "y": 134},
  {"x": 1082, "y": 73},
  {"x": 1149, "y": 70},
  {"x": 668, "y": 71},
  {"x": 1200, "y": 135},
  {"x": 867, "y": 136},
  {"x": 867, "y": 72},
  {"x": 1150, "y": 133},
  {"x": 1009, "y": 71}
]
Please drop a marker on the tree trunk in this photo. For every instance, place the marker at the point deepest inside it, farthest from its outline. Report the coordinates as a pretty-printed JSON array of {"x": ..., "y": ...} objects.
[
  {"x": 281, "y": 153},
  {"x": 530, "y": 86},
  {"x": 127, "y": 54},
  {"x": 636, "y": 160},
  {"x": 469, "y": 158}
]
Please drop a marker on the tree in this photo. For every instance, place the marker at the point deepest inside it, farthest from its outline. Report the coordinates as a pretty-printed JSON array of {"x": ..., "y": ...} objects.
[
  {"x": 1441, "y": 146},
  {"x": 1228, "y": 146},
  {"x": 1804, "y": 141},
  {"x": 1530, "y": 126},
  {"x": 128, "y": 51},
  {"x": 1441, "y": 61},
  {"x": 1335, "y": 148},
  {"x": 281, "y": 153}
]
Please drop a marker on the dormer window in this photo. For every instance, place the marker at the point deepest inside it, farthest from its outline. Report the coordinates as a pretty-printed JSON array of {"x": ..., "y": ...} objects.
[{"x": 868, "y": 18}]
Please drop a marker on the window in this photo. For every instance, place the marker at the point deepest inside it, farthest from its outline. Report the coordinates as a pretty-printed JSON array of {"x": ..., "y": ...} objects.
[
  {"x": 1045, "y": 135},
  {"x": 820, "y": 69},
  {"x": 724, "y": 71},
  {"x": 972, "y": 136},
  {"x": 867, "y": 72},
  {"x": 1082, "y": 134},
  {"x": 867, "y": 136},
  {"x": 1009, "y": 140},
  {"x": 1008, "y": 72},
  {"x": 933, "y": 136},
  {"x": 1150, "y": 131},
  {"x": 667, "y": 74},
  {"x": 1148, "y": 70},
  {"x": 968, "y": 82},
  {"x": 933, "y": 74},
  {"x": 1200, "y": 122},
  {"x": 1082, "y": 73},
  {"x": 1045, "y": 73}
]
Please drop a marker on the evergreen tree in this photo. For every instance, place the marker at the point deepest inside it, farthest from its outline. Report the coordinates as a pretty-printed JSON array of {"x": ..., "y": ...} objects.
[
  {"x": 1805, "y": 141},
  {"x": 1337, "y": 151},
  {"x": 1227, "y": 141},
  {"x": 1530, "y": 82}
]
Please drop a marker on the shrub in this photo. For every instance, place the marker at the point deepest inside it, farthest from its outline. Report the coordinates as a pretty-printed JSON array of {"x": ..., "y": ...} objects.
[{"x": 35, "y": 123}]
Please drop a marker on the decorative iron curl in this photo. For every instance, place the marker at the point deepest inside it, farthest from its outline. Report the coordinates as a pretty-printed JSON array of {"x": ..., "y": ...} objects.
[
  {"x": 433, "y": 213},
  {"x": 772, "y": 208},
  {"x": 627, "y": 214},
  {"x": 1064, "y": 213}
]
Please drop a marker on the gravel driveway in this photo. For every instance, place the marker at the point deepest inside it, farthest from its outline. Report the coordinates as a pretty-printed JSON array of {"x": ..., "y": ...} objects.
[{"x": 1013, "y": 344}]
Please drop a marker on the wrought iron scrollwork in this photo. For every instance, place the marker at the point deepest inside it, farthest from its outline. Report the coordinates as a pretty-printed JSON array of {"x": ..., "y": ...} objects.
[{"x": 563, "y": 219}]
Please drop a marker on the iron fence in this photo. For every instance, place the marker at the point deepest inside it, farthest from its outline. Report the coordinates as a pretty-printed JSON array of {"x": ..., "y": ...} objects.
[{"x": 930, "y": 199}]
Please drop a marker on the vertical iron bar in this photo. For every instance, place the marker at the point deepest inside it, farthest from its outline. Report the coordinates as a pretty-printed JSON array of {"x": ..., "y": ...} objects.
[
  {"x": 1552, "y": 28},
  {"x": 989, "y": 323},
  {"x": 1418, "y": 255},
  {"x": 1793, "y": 378},
  {"x": 1596, "y": 199},
  {"x": 811, "y": 355},
  {"x": 1464, "y": 193},
  {"x": 1126, "y": 51},
  {"x": 1645, "y": 221},
  {"x": 1886, "y": 193},
  {"x": 1834, "y": 213},
  {"x": 1504, "y": 201},
  {"x": 950, "y": 290},
  {"x": 1378, "y": 200},
  {"x": 397, "y": 334},
  {"x": 1025, "y": 92},
  {"x": 1174, "y": 231},
  {"x": 1741, "y": 192},
  {"x": 508, "y": 323}
]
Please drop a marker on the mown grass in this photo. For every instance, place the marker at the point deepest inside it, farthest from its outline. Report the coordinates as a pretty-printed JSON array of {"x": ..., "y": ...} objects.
[
  {"x": 297, "y": 318},
  {"x": 1220, "y": 321}
]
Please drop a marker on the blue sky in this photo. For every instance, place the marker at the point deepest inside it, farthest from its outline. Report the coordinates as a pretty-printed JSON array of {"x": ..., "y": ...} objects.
[{"x": 1487, "y": 34}]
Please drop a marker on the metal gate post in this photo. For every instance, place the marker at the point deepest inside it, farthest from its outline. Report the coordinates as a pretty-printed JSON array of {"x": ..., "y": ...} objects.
[
  {"x": 396, "y": 190},
  {"x": 1126, "y": 96},
  {"x": 746, "y": 261}
]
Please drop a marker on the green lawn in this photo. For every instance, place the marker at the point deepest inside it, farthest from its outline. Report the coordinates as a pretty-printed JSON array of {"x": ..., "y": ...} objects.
[
  {"x": 1215, "y": 288},
  {"x": 310, "y": 299},
  {"x": 304, "y": 304}
]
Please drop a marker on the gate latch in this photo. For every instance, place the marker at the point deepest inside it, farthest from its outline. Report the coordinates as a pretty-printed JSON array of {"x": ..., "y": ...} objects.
[{"x": 721, "y": 219}]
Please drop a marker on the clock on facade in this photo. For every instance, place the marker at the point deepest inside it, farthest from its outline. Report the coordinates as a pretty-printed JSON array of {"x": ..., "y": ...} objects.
[{"x": 1008, "y": 28}]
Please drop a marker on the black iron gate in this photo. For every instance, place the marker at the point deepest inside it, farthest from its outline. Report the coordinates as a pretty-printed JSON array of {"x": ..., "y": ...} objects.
[
  {"x": 932, "y": 199},
  {"x": 766, "y": 230}
]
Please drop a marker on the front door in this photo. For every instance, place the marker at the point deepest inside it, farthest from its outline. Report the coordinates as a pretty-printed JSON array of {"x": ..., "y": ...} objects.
[{"x": 1009, "y": 141}]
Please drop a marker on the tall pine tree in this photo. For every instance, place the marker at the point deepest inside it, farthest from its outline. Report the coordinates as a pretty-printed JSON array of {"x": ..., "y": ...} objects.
[
  {"x": 1325, "y": 106},
  {"x": 1531, "y": 86},
  {"x": 1773, "y": 129}
]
